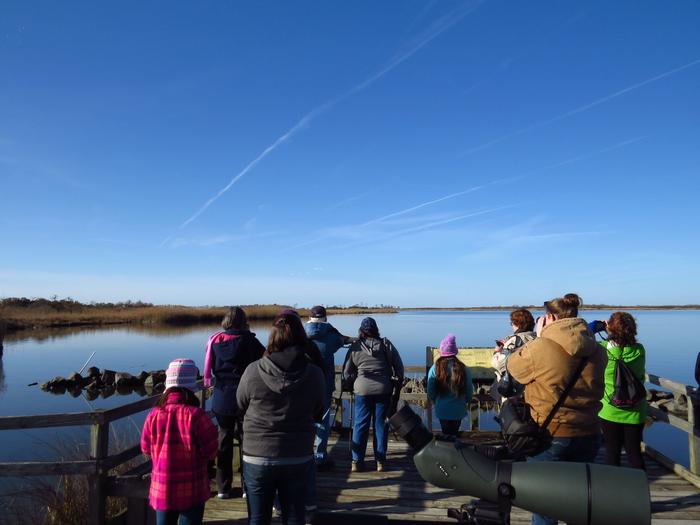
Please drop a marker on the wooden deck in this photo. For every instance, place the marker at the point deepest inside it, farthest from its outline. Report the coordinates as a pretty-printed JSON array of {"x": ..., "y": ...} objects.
[{"x": 400, "y": 493}]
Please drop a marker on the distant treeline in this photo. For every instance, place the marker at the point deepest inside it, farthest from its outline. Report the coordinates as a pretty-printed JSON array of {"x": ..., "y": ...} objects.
[
  {"x": 584, "y": 307},
  {"x": 19, "y": 313}
]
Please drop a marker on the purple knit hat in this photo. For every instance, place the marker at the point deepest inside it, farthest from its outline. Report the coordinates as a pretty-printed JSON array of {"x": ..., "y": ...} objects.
[
  {"x": 448, "y": 346},
  {"x": 182, "y": 373}
]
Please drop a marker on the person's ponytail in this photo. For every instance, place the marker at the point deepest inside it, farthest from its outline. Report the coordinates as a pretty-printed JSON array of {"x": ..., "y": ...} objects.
[{"x": 564, "y": 307}]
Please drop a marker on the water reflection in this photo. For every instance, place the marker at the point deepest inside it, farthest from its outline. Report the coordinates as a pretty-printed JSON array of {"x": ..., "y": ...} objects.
[
  {"x": 2, "y": 374},
  {"x": 45, "y": 334}
]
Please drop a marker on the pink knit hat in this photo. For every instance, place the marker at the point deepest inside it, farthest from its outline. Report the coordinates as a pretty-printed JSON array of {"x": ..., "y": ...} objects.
[
  {"x": 182, "y": 373},
  {"x": 448, "y": 346}
]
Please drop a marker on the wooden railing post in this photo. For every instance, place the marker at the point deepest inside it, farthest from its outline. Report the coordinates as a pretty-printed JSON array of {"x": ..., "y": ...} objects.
[
  {"x": 694, "y": 435},
  {"x": 474, "y": 415},
  {"x": 203, "y": 398},
  {"x": 99, "y": 449}
]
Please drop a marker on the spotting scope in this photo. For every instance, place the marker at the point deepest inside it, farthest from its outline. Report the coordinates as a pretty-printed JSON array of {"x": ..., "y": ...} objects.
[{"x": 576, "y": 493}]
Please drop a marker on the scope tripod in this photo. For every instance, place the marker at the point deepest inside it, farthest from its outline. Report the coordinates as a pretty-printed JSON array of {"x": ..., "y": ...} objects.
[{"x": 481, "y": 512}]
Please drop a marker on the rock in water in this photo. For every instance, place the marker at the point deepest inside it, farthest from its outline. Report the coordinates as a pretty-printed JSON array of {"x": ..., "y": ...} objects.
[
  {"x": 124, "y": 379},
  {"x": 75, "y": 380},
  {"x": 107, "y": 376}
]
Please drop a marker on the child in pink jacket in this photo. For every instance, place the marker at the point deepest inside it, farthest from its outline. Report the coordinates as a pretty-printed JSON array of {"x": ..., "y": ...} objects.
[{"x": 180, "y": 439}]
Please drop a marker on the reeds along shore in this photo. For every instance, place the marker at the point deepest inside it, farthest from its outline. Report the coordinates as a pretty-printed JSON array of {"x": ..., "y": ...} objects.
[{"x": 19, "y": 314}]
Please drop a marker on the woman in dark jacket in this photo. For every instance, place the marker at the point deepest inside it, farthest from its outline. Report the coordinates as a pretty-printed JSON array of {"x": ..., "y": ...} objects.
[
  {"x": 281, "y": 397},
  {"x": 228, "y": 355},
  {"x": 374, "y": 361}
]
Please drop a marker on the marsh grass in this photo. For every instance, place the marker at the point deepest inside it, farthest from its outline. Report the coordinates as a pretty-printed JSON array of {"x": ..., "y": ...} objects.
[
  {"x": 22, "y": 313},
  {"x": 63, "y": 500}
]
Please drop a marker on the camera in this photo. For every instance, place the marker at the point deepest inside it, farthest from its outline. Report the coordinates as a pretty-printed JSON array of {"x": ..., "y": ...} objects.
[{"x": 597, "y": 326}]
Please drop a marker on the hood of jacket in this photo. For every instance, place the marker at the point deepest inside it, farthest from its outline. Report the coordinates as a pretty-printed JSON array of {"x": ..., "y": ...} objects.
[
  {"x": 572, "y": 335},
  {"x": 371, "y": 346},
  {"x": 284, "y": 371},
  {"x": 318, "y": 330}
]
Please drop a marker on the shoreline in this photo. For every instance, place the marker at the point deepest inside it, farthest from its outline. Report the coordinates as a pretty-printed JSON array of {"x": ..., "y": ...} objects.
[
  {"x": 42, "y": 314},
  {"x": 17, "y": 319},
  {"x": 539, "y": 307}
]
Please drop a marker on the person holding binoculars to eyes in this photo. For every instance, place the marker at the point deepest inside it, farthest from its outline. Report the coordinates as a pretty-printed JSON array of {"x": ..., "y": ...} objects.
[
  {"x": 545, "y": 366},
  {"x": 623, "y": 423}
]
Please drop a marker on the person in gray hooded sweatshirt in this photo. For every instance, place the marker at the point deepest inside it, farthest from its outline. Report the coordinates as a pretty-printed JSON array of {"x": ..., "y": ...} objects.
[
  {"x": 281, "y": 397},
  {"x": 373, "y": 362}
]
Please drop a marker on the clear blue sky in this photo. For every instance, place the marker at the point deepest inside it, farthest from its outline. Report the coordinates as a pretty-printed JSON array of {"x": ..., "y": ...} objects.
[{"x": 403, "y": 152}]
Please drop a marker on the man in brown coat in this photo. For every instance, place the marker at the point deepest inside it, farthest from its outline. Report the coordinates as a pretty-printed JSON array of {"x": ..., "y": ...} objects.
[{"x": 545, "y": 366}]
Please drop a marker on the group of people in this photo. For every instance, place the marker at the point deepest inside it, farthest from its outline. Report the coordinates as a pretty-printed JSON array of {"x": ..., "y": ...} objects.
[
  {"x": 542, "y": 357},
  {"x": 276, "y": 401}
]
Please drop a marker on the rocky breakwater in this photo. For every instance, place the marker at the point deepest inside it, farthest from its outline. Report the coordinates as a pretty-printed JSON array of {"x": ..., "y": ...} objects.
[{"x": 104, "y": 383}]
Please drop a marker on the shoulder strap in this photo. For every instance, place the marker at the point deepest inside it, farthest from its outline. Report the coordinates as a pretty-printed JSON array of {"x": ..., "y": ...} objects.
[
  {"x": 388, "y": 354},
  {"x": 566, "y": 391}
]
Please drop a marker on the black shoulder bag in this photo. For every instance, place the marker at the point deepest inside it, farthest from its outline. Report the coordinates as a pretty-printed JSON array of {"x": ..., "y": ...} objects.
[
  {"x": 396, "y": 381},
  {"x": 521, "y": 433}
]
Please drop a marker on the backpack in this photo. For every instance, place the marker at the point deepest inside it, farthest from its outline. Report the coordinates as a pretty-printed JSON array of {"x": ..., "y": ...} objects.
[
  {"x": 628, "y": 390},
  {"x": 506, "y": 386},
  {"x": 347, "y": 382}
]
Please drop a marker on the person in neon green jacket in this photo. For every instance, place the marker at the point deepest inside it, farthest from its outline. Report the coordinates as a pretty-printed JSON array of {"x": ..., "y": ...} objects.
[{"x": 623, "y": 426}]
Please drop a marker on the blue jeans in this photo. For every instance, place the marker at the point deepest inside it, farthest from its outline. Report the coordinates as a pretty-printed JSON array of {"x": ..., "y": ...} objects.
[
  {"x": 323, "y": 431},
  {"x": 191, "y": 516},
  {"x": 583, "y": 449},
  {"x": 368, "y": 409},
  {"x": 287, "y": 481}
]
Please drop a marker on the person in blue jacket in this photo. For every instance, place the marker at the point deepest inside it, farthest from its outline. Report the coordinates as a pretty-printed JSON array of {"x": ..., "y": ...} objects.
[
  {"x": 328, "y": 340},
  {"x": 450, "y": 387}
]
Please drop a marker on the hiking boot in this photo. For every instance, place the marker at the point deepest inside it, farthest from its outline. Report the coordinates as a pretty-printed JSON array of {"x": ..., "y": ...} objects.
[
  {"x": 356, "y": 467},
  {"x": 380, "y": 466}
]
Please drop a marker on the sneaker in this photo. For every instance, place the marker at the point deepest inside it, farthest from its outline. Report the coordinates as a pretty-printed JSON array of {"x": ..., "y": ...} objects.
[
  {"x": 276, "y": 511},
  {"x": 223, "y": 495},
  {"x": 380, "y": 466},
  {"x": 356, "y": 467},
  {"x": 244, "y": 495}
]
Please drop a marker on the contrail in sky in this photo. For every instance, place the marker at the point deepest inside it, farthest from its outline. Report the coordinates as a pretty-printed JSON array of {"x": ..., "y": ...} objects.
[
  {"x": 573, "y": 160},
  {"x": 559, "y": 164},
  {"x": 438, "y": 27},
  {"x": 422, "y": 205},
  {"x": 414, "y": 229},
  {"x": 580, "y": 109},
  {"x": 395, "y": 214}
]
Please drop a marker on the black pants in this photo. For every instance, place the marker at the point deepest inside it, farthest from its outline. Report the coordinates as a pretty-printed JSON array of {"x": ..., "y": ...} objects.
[
  {"x": 617, "y": 435},
  {"x": 229, "y": 428},
  {"x": 450, "y": 427}
]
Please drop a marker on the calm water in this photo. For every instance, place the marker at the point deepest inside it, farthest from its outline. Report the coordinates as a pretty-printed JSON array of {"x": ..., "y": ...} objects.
[{"x": 43, "y": 355}]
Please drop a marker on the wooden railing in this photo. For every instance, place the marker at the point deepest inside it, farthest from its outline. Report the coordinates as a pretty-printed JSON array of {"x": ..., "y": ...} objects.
[
  {"x": 100, "y": 462},
  {"x": 690, "y": 424},
  {"x": 130, "y": 485}
]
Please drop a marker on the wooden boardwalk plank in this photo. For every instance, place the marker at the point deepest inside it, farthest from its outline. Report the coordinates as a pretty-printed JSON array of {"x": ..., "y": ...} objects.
[{"x": 400, "y": 493}]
